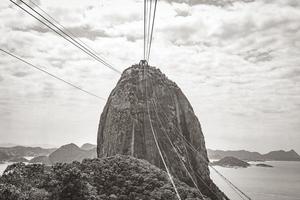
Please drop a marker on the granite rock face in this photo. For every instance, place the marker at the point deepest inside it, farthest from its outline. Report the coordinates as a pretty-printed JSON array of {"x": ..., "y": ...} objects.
[{"x": 145, "y": 104}]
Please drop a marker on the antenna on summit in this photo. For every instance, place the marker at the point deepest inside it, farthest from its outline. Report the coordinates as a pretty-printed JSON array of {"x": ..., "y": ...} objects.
[{"x": 143, "y": 63}]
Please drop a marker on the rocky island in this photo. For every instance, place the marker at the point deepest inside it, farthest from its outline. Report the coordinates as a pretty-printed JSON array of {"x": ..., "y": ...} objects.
[
  {"x": 263, "y": 165},
  {"x": 231, "y": 162}
]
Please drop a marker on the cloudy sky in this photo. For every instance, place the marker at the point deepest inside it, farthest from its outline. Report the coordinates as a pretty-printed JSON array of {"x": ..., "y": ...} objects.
[{"x": 238, "y": 63}]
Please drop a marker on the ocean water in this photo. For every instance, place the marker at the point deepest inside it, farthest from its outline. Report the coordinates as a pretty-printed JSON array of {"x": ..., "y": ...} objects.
[
  {"x": 3, "y": 167},
  {"x": 28, "y": 157},
  {"x": 282, "y": 182},
  {"x": 260, "y": 183}
]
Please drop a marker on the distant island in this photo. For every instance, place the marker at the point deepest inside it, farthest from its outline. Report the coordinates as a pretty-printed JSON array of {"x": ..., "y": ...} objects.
[
  {"x": 231, "y": 162},
  {"x": 244, "y": 155},
  {"x": 263, "y": 165}
]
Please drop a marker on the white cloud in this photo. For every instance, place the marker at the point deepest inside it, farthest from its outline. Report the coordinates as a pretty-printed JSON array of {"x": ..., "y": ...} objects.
[{"x": 238, "y": 64}]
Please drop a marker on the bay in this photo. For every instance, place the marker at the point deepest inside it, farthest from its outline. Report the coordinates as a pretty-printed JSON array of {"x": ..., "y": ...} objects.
[{"x": 282, "y": 182}]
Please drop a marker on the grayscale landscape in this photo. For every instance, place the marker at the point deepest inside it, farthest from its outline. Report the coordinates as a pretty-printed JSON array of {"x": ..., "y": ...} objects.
[{"x": 153, "y": 99}]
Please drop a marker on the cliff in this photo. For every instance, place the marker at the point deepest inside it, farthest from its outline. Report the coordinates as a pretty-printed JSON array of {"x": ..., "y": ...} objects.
[{"x": 145, "y": 104}]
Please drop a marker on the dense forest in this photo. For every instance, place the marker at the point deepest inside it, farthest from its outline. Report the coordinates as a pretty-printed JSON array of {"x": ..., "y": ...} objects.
[{"x": 118, "y": 178}]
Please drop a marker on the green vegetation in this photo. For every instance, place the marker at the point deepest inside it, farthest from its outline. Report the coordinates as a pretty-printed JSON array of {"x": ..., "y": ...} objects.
[{"x": 113, "y": 178}]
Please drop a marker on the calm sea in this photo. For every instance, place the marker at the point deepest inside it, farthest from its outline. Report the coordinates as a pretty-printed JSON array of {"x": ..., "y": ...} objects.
[
  {"x": 3, "y": 167},
  {"x": 279, "y": 183},
  {"x": 262, "y": 183}
]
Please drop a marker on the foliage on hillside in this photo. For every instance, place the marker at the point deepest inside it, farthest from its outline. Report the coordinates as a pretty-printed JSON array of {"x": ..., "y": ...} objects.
[{"x": 113, "y": 178}]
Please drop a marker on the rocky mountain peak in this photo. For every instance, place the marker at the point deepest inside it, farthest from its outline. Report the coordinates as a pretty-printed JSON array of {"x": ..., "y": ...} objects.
[
  {"x": 293, "y": 151},
  {"x": 146, "y": 105}
]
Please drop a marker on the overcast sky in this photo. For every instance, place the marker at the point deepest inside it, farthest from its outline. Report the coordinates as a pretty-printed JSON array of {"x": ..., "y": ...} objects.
[{"x": 238, "y": 64}]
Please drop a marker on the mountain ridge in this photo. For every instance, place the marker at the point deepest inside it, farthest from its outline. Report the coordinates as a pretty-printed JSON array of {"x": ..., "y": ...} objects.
[
  {"x": 10, "y": 153},
  {"x": 65, "y": 154},
  {"x": 23, "y": 151},
  {"x": 277, "y": 155}
]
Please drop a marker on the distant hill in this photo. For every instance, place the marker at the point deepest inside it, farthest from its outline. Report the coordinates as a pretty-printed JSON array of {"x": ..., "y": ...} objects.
[
  {"x": 282, "y": 155},
  {"x": 4, "y": 156},
  {"x": 18, "y": 159},
  {"x": 71, "y": 152},
  {"x": 22, "y": 151},
  {"x": 255, "y": 156},
  {"x": 240, "y": 154},
  {"x": 44, "y": 145},
  {"x": 88, "y": 146},
  {"x": 41, "y": 160},
  {"x": 66, "y": 154},
  {"x": 231, "y": 162}
]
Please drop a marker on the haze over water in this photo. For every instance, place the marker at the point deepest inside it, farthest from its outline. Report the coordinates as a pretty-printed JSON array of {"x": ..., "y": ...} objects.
[{"x": 282, "y": 182}]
